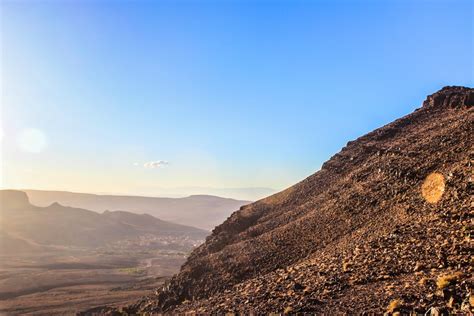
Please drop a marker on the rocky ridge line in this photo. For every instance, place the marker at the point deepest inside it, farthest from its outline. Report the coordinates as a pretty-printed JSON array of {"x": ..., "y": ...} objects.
[{"x": 356, "y": 236}]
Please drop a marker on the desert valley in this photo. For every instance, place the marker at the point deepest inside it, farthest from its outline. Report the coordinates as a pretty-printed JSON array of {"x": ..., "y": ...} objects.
[{"x": 76, "y": 259}]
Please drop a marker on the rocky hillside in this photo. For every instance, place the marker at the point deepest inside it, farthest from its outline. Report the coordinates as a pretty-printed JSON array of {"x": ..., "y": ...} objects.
[{"x": 384, "y": 226}]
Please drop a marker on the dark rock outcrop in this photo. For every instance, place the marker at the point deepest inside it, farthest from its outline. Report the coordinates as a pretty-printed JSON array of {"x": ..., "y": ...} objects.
[{"x": 451, "y": 96}]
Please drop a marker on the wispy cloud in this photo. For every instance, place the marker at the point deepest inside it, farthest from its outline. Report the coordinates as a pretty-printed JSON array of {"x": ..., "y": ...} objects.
[{"x": 156, "y": 164}]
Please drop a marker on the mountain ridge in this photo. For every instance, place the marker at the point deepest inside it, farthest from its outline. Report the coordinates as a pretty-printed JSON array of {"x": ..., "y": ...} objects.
[
  {"x": 202, "y": 211},
  {"x": 80, "y": 227},
  {"x": 340, "y": 231}
]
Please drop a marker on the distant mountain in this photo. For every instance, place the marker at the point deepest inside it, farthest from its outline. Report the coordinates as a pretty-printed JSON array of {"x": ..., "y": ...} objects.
[
  {"x": 249, "y": 193},
  {"x": 203, "y": 211},
  {"x": 383, "y": 228},
  {"x": 25, "y": 227}
]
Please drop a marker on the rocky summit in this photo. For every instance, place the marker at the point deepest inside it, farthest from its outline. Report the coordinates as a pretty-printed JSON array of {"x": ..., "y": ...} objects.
[{"x": 383, "y": 227}]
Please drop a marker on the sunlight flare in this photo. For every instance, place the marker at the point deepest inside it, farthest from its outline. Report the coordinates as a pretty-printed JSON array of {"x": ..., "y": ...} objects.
[{"x": 32, "y": 140}]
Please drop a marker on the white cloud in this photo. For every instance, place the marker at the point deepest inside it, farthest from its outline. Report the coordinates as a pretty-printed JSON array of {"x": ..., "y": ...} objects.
[{"x": 156, "y": 164}]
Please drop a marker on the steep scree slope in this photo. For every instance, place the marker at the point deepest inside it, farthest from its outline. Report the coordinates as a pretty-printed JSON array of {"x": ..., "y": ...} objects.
[{"x": 358, "y": 235}]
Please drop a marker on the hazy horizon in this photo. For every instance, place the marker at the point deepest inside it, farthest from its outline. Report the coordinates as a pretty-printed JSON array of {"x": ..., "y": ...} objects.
[{"x": 230, "y": 193}]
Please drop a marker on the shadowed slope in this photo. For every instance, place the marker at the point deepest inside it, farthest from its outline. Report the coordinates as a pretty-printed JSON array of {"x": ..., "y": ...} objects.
[
  {"x": 202, "y": 211},
  {"x": 58, "y": 225}
]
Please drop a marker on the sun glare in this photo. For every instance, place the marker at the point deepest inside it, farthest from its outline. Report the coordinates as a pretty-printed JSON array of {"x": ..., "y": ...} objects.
[{"x": 32, "y": 140}]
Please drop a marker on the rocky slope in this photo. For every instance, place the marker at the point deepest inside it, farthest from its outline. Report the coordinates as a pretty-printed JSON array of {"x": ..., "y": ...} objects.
[{"x": 384, "y": 226}]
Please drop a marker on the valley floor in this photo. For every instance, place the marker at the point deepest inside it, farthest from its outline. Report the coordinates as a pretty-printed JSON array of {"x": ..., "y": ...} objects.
[{"x": 68, "y": 282}]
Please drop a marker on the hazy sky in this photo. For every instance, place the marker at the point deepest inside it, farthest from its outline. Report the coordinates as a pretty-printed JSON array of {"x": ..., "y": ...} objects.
[{"x": 143, "y": 96}]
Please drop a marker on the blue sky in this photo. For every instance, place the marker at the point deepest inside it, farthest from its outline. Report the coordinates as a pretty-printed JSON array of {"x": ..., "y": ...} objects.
[{"x": 228, "y": 94}]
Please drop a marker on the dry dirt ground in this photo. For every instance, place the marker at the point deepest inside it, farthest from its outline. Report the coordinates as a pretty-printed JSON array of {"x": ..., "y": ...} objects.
[{"x": 66, "y": 283}]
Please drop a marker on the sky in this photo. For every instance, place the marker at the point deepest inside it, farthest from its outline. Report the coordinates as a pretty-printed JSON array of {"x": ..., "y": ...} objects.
[{"x": 185, "y": 97}]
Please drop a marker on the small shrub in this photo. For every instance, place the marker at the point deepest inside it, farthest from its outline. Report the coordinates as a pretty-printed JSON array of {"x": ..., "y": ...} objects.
[
  {"x": 447, "y": 279},
  {"x": 394, "y": 305},
  {"x": 346, "y": 267},
  {"x": 423, "y": 281},
  {"x": 133, "y": 271}
]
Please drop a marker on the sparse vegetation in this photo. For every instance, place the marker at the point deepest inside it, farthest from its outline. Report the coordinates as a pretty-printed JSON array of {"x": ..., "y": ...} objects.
[
  {"x": 133, "y": 271},
  {"x": 447, "y": 279},
  {"x": 346, "y": 267},
  {"x": 423, "y": 281},
  {"x": 394, "y": 305}
]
